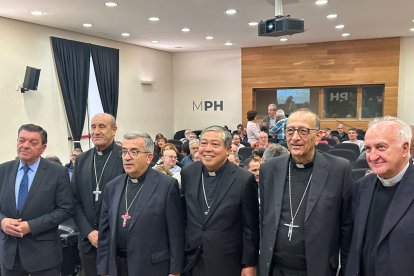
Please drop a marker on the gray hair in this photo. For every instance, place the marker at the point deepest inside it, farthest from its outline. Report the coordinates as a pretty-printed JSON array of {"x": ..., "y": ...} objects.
[
  {"x": 405, "y": 134},
  {"x": 192, "y": 142},
  {"x": 280, "y": 113},
  {"x": 149, "y": 144},
  {"x": 273, "y": 151},
  {"x": 236, "y": 156},
  {"x": 225, "y": 134},
  {"x": 272, "y": 105}
]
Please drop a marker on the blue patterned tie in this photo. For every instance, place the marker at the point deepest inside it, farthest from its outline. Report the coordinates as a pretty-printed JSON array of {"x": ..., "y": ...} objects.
[{"x": 23, "y": 189}]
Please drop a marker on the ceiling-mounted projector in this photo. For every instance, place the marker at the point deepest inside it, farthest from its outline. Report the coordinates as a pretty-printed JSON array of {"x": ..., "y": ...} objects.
[{"x": 281, "y": 25}]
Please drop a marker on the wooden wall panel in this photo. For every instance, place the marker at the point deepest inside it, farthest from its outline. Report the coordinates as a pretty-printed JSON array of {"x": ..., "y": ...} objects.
[{"x": 372, "y": 61}]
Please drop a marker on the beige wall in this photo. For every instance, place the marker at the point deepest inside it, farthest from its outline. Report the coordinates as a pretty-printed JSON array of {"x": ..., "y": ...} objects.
[
  {"x": 207, "y": 76},
  {"x": 145, "y": 108},
  {"x": 406, "y": 82}
]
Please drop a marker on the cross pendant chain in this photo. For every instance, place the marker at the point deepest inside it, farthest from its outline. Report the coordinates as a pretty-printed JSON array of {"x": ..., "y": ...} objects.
[
  {"x": 291, "y": 226},
  {"x": 97, "y": 192},
  {"x": 125, "y": 217}
]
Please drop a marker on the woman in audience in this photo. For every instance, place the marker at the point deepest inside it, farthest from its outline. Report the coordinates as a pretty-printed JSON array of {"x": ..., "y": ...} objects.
[
  {"x": 253, "y": 130},
  {"x": 159, "y": 143}
]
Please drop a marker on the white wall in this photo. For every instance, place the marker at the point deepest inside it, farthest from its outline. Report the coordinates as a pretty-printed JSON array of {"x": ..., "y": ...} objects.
[
  {"x": 147, "y": 109},
  {"x": 406, "y": 81},
  {"x": 207, "y": 76}
]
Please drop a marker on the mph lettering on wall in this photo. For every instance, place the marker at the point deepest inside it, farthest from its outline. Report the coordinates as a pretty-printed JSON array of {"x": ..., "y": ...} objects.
[{"x": 208, "y": 105}]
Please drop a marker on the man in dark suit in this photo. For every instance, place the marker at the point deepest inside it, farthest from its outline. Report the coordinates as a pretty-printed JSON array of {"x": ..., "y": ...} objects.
[
  {"x": 222, "y": 215},
  {"x": 382, "y": 242},
  {"x": 305, "y": 205},
  {"x": 92, "y": 171},
  {"x": 34, "y": 198},
  {"x": 142, "y": 224}
]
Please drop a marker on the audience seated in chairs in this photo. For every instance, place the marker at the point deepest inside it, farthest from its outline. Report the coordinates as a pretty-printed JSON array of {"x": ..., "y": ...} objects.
[
  {"x": 345, "y": 153},
  {"x": 323, "y": 147},
  {"x": 350, "y": 146},
  {"x": 237, "y": 141}
]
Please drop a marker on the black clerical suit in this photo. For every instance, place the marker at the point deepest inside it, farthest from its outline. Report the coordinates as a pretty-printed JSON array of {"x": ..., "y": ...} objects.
[
  {"x": 48, "y": 204},
  {"x": 87, "y": 210},
  {"x": 152, "y": 242},
  {"x": 393, "y": 247},
  {"x": 227, "y": 238},
  {"x": 327, "y": 214}
]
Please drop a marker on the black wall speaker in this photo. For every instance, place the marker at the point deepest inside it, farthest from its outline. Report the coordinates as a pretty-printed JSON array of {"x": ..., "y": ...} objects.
[{"x": 31, "y": 78}]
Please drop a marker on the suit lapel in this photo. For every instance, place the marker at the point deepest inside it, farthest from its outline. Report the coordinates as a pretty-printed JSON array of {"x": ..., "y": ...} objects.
[
  {"x": 116, "y": 200},
  {"x": 279, "y": 181},
  {"x": 193, "y": 186},
  {"x": 365, "y": 199},
  {"x": 226, "y": 181},
  {"x": 10, "y": 188},
  {"x": 401, "y": 201},
  {"x": 149, "y": 186},
  {"x": 37, "y": 180},
  {"x": 319, "y": 176}
]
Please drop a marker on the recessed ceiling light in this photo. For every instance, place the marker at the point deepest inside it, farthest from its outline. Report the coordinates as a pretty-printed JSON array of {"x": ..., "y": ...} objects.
[
  {"x": 340, "y": 26},
  {"x": 231, "y": 11},
  {"x": 185, "y": 30},
  {"x": 228, "y": 43},
  {"x": 87, "y": 25},
  {"x": 321, "y": 2},
  {"x": 252, "y": 24},
  {"x": 332, "y": 16},
  {"x": 412, "y": 29},
  {"x": 345, "y": 34},
  {"x": 284, "y": 39},
  {"x": 209, "y": 37},
  {"x": 153, "y": 19},
  {"x": 125, "y": 34},
  {"x": 111, "y": 4},
  {"x": 37, "y": 13},
  {"x": 178, "y": 47},
  {"x": 155, "y": 41}
]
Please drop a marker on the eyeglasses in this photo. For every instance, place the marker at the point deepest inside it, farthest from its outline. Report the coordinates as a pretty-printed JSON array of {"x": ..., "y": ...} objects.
[
  {"x": 171, "y": 156},
  {"x": 302, "y": 131},
  {"x": 133, "y": 152}
]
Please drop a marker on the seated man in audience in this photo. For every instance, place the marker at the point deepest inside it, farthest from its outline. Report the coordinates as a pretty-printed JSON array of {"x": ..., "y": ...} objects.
[
  {"x": 327, "y": 134},
  {"x": 273, "y": 151},
  {"x": 352, "y": 134},
  {"x": 278, "y": 130},
  {"x": 253, "y": 166},
  {"x": 193, "y": 145},
  {"x": 186, "y": 138},
  {"x": 257, "y": 153},
  {"x": 236, "y": 140},
  {"x": 263, "y": 142},
  {"x": 342, "y": 135},
  {"x": 192, "y": 136},
  {"x": 234, "y": 158}
]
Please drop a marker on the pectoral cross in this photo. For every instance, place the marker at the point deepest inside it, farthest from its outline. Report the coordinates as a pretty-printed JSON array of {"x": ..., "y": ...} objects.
[
  {"x": 291, "y": 226},
  {"x": 97, "y": 193},
  {"x": 125, "y": 218}
]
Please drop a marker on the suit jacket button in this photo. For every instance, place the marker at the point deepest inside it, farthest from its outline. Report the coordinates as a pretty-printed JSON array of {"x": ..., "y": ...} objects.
[{"x": 267, "y": 264}]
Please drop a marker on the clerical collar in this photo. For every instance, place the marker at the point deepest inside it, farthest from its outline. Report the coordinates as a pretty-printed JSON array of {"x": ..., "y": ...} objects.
[
  {"x": 302, "y": 166},
  {"x": 141, "y": 178},
  {"x": 105, "y": 151},
  {"x": 206, "y": 172},
  {"x": 389, "y": 182}
]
